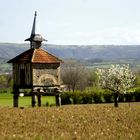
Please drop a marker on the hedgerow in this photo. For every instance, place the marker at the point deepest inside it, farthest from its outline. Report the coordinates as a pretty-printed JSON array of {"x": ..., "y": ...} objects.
[{"x": 98, "y": 96}]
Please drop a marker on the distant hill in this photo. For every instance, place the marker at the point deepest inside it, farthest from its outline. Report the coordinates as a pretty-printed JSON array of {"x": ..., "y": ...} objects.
[{"x": 84, "y": 52}]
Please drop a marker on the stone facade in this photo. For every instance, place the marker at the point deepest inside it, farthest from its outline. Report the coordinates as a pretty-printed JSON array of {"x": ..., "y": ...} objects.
[
  {"x": 46, "y": 74},
  {"x": 35, "y": 69}
]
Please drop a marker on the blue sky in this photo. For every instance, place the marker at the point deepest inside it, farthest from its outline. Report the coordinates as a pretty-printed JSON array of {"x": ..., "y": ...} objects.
[{"x": 72, "y": 21}]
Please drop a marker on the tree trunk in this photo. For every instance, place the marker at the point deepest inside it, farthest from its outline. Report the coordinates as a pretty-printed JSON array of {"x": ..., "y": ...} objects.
[{"x": 116, "y": 99}]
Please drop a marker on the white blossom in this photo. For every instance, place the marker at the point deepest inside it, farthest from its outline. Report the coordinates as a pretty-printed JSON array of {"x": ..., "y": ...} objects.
[{"x": 116, "y": 78}]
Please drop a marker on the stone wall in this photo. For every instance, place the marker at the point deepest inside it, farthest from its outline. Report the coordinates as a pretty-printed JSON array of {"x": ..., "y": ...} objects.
[{"x": 46, "y": 74}]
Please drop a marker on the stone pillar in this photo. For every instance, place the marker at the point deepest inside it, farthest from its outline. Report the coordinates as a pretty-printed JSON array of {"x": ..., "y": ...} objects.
[{"x": 58, "y": 99}]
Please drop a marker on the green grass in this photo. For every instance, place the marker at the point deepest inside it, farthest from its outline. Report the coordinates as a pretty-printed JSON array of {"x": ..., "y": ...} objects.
[{"x": 7, "y": 100}]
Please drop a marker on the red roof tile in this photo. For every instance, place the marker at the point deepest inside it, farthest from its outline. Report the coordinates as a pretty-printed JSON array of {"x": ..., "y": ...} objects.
[{"x": 35, "y": 56}]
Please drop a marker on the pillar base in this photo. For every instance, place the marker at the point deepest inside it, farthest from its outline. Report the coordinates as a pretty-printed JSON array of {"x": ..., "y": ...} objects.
[{"x": 58, "y": 99}]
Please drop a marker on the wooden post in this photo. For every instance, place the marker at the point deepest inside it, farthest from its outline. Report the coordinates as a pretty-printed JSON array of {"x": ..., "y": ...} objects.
[
  {"x": 15, "y": 97},
  {"x": 33, "y": 99},
  {"x": 39, "y": 100}
]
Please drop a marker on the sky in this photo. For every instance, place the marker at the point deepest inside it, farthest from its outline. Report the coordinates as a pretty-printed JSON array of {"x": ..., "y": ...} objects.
[{"x": 72, "y": 22}]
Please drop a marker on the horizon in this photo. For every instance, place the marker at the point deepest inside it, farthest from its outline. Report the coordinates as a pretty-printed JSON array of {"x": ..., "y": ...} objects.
[{"x": 73, "y": 44}]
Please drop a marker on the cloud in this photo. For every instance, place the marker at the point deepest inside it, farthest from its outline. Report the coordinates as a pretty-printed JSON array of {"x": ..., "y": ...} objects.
[
  {"x": 84, "y": 1},
  {"x": 127, "y": 35},
  {"x": 115, "y": 35}
]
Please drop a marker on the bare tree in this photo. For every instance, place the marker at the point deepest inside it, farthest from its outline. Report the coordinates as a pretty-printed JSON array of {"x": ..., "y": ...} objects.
[
  {"x": 92, "y": 78},
  {"x": 9, "y": 80},
  {"x": 73, "y": 75}
]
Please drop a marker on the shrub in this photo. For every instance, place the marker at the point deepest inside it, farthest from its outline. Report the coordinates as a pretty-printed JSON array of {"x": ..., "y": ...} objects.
[
  {"x": 129, "y": 97},
  {"x": 108, "y": 97},
  {"x": 87, "y": 98},
  {"x": 121, "y": 98},
  {"x": 66, "y": 98},
  {"x": 137, "y": 95},
  {"x": 94, "y": 95},
  {"x": 76, "y": 97}
]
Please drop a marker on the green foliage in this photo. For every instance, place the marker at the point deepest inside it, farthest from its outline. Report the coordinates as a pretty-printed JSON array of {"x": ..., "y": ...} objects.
[
  {"x": 85, "y": 97},
  {"x": 5, "y": 83},
  {"x": 92, "y": 78},
  {"x": 121, "y": 97},
  {"x": 108, "y": 96},
  {"x": 97, "y": 95},
  {"x": 137, "y": 81},
  {"x": 94, "y": 95},
  {"x": 137, "y": 95},
  {"x": 66, "y": 98},
  {"x": 73, "y": 97},
  {"x": 129, "y": 97}
]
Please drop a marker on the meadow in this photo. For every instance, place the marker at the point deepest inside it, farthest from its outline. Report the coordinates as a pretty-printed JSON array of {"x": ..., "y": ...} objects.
[
  {"x": 71, "y": 122},
  {"x": 6, "y": 99}
]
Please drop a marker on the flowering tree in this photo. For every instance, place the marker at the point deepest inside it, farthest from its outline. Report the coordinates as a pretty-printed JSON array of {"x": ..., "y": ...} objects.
[{"x": 117, "y": 79}]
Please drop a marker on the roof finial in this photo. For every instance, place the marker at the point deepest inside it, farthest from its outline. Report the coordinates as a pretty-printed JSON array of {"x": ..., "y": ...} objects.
[
  {"x": 35, "y": 13},
  {"x": 35, "y": 33}
]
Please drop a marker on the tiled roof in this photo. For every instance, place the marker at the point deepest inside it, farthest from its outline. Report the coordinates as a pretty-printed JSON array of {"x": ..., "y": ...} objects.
[
  {"x": 35, "y": 56},
  {"x": 42, "y": 56}
]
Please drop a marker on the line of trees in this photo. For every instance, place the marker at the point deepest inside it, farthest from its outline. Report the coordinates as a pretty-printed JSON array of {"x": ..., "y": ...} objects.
[
  {"x": 76, "y": 76},
  {"x": 5, "y": 82},
  {"x": 118, "y": 78}
]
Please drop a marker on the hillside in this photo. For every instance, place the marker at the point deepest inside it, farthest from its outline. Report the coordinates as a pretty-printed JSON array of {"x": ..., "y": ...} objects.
[
  {"x": 89, "y": 55},
  {"x": 105, "y": 52}
]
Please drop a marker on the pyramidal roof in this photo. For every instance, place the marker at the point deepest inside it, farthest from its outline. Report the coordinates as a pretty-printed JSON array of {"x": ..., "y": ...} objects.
[{"x": 35, "y": 56}]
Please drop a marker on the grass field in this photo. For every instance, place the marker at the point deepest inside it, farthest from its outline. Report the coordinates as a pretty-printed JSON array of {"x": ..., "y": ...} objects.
[
  {"x": 7, "y": 100},
  {"x": 73, "y": 122}
]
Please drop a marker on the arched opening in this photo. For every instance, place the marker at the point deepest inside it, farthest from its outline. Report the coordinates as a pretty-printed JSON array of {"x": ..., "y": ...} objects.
[{"x": 47, "y": 80}]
